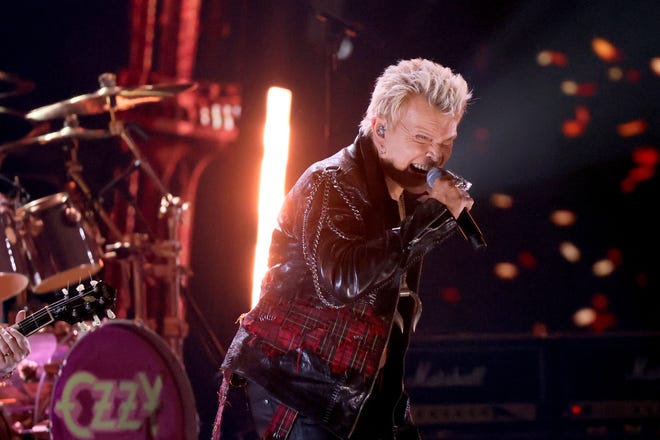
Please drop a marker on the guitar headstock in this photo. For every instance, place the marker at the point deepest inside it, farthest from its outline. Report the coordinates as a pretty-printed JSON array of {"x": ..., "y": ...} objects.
[{"x": 85, "y": 302}]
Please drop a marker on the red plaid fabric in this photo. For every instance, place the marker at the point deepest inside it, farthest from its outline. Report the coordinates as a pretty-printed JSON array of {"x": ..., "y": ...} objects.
[
  {"x": 351, "y": 337},
  {"x": 281, "y": 423}
]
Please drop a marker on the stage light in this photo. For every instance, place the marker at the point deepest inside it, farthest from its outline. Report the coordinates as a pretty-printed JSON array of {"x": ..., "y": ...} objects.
[{"x": 273, "y": 172}]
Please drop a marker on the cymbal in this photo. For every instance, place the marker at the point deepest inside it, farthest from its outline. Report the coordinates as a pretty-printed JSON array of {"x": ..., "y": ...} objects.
[
  {"x": 108, "y": 98},
  {"x": 12, "y": 85},
  {"x": 65, "y": 134}
]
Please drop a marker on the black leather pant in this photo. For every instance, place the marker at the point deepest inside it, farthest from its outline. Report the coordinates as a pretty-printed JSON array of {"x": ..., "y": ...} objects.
[
  {"x": 262, "y": 407},
  {"x": 248, "y": 411}
]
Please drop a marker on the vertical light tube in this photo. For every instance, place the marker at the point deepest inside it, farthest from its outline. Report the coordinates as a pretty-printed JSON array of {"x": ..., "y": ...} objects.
[{"x": 272, "y": 178}]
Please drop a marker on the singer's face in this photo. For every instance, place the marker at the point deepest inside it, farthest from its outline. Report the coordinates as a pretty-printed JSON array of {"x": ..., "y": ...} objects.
[{"x": 422, "y": 139}]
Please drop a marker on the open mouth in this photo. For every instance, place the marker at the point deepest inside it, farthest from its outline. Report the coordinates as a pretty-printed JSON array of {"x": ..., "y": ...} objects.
[{"x": 419, "y": 168}]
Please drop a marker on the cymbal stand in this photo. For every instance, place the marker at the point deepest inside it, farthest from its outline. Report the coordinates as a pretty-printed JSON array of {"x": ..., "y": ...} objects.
[
  {"x": 172, "y": 207},
  {"x": 74, "y": 171}
]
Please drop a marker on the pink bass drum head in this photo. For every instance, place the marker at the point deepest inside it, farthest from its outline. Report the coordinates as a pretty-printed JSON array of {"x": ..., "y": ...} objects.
[{"x": 122, "y": 381}]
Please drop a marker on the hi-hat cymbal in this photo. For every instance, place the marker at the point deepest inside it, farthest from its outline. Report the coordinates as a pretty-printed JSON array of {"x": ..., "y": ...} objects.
[
  {"x": 108, "y": 98},
  {"x": 65, "y": 134}
]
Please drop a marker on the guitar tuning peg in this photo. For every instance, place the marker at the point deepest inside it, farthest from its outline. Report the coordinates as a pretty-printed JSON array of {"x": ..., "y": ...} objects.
[
  {"x": 93, "y": 283},
  {"x": 110, "y": 314},
  {"x": 80, "y": 288},
  {"x": 65, "y": 292},
  {"x": 84, "y": 327},
  {"x": 96, "y": 321}
]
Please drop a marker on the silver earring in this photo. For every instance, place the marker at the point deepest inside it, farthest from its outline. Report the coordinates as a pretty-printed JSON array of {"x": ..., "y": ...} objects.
[
  {"x": 382, "y": 149},
  {"x": 380, "y": 131}
]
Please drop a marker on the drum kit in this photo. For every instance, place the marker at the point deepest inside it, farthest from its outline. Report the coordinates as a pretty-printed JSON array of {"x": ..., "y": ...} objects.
[{"x": 64, "y": 389}]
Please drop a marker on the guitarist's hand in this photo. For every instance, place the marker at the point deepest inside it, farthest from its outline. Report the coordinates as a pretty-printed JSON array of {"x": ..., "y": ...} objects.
[{"x": 14, "y": 347}]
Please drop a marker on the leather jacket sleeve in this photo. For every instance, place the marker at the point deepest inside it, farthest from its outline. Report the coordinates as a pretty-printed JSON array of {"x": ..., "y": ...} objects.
[{"x": 345, "y": 265}]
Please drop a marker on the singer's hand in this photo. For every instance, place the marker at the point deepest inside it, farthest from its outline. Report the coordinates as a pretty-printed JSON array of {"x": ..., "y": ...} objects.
[{"x": 445, "y": 191}]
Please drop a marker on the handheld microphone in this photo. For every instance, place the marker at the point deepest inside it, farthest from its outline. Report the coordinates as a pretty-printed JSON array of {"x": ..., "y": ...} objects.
[{"x": 466, "y": 223}]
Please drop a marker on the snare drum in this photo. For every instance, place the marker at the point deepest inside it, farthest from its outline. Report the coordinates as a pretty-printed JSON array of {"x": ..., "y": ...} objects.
[
  {"x": 14, "y": 269},
  {"x": 122, "y": 381},
  {"x": 62, "y": 248}
]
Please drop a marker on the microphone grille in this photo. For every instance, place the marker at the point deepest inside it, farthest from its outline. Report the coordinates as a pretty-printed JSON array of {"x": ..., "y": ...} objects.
[{"x": 432, "y": 175}]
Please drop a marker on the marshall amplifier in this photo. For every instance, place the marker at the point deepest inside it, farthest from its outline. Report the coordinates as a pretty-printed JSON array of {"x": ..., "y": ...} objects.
[
  {"x": 613, "y": 378},
  {"x": 513, "y": 387},
  {"x": 475, "y": 381}
]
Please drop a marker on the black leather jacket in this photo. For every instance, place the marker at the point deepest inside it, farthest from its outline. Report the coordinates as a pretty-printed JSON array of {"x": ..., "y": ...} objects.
[{"x": 328, "y": 304}]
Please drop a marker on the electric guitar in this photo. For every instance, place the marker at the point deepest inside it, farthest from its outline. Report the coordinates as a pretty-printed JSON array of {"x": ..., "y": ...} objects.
[{"x": 85, "y": 303}]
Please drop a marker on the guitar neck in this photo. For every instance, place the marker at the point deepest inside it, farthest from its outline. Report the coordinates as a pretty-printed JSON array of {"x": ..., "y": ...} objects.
[
  {"x": 33, "y": 323},
  {"x": 75, "y": 308}
]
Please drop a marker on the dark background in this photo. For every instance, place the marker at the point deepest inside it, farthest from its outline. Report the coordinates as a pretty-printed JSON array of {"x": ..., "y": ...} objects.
[{"x": 511, "y": 142}]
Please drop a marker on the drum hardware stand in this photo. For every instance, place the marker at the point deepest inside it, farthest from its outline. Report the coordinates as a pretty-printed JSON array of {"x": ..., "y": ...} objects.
[
  {"x": 21, "y": 196},
  {"x": 74, "y": 171},
  {"x": 174, "y": 326},
  {"x": 134, "y": 249}
]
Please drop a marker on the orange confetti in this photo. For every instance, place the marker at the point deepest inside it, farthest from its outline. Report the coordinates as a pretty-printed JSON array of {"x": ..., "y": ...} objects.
[
  {"x": 654, "y": 65},
  {"x": 451, "y": 295},
  {"x": 575, "y": 127},
  {"x": 646, "y": 156},
  {"x": 572, "y": 129},
  {"x": 505, "y": 271},
  {"x": 552, "y": 57},
  {"x": 527, "y": 260},
  {"x": 586, "y": 89},
  {"x": 628, "y": 185},
  {"x": 615, "y": 256},
  {"x": 582, "y": 114},
  {"x": 569, "y": 87},
  {"x": 563, "y": 217},
  {"x": 540, "y": 329},
  {"x": 605, "y": 50},
  {"x": 570, "y": 252},
  {"x": 603, "y": 268},
  {"x": 599, "y": 301},
  {"x": 632, "y": 128},
  {"x": 640, "y": 174},
  {"x": 633, "y": 75},
  {"x": 603, "y": 321},
  {"x": 502, "y": 201},
  {"x": 615, "y": 73}
]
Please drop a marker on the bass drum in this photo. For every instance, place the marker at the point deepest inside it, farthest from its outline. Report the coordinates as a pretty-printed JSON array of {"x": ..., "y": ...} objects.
[{"x": 122, "y": 381}]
